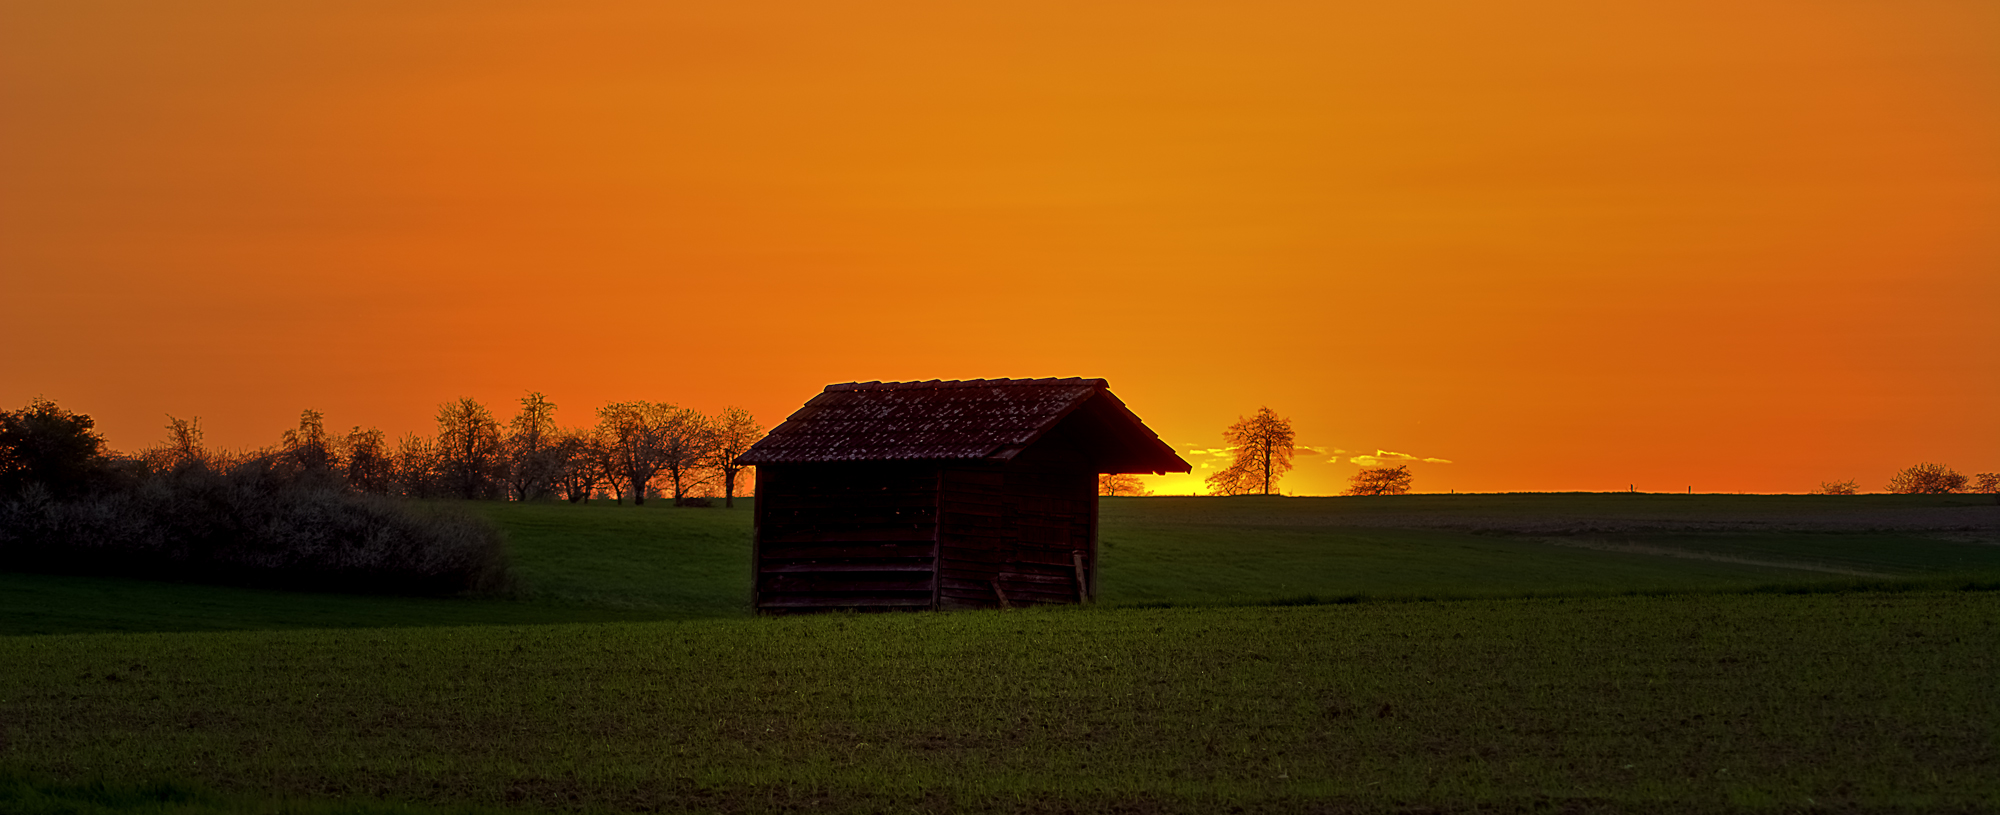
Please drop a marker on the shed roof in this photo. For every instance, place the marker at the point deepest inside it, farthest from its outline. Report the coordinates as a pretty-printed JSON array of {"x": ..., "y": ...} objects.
[{"x": 972, "y": 419}]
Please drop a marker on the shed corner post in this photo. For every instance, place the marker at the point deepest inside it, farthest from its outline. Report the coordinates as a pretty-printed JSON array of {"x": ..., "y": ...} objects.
[
  {"x": 937, "y": 539},
  {"x": 757, "y": 544},
  {"x": 1091, "y": 587}
]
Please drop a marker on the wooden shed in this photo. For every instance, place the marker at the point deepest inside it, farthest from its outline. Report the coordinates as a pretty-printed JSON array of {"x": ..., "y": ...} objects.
[{"x": 941, "y": 495}]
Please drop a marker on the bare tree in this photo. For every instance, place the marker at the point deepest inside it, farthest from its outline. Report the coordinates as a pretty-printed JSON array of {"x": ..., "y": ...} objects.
[
  {"x": 44, "y": 444},
  {"x": 371, "y": 468},
  {"x": 1987, "y": 483},
  {"x": 1120, "y": 484},
  {"x": 181, "y": 451},
  {"x": 532, "y": 462},
  {"x": 634, "y": 440},
  {"x": 1927, "y": 479},
  {"x": 468, "y": 448},
  {"x": 735, "y": 431},
  {"x": 1380, "y": 481},
  {"x": 1848, "y": 487},
  {"x": 307, "y": 454},
  {"x": 416, "y": 466},
  {"x": 578, "y": 471},
  {"x": 1263, "y": 448},
  {"x": 687, "y": 442}
]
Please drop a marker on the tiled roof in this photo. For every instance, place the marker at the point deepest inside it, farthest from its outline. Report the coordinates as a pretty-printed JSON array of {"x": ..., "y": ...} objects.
[{"x": 953, "y": 419}]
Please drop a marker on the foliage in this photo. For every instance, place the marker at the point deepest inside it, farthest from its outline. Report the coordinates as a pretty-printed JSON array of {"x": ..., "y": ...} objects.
[
  {"x": 1927, "y": 479},
  {"x": 370, "y": 466},
  {"x": 468, "y": 460},
  {"x": 735, "y": 431},
  {"x": 655, "y": 562},
  {"x": 1121, "y": 484},
  {"x": 1987, "y": 483},
  {"x": 577, "y": 456},
  {"x": 1263, "y": 453},
  {"x": 255, "y": 524},
  {"x": 1380, "y": 481},
  {"x": 534, "y": 460},
  {"x": 46, "y": 445},
  {"x": 1848, "y": 487},
  {"x": 1702, "y": 703}
]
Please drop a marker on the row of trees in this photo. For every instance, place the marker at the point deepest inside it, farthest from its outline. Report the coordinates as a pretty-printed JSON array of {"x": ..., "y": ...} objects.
[
  {"x": 638, "y": 449},
  {"x": 1263, "y": 445},
  {"x": 1922, "y": 479}
]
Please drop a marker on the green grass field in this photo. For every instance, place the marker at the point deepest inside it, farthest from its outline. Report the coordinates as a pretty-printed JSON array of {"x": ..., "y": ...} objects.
[
  {"x": 604, "y": 563},
  {"x": 1598, "y": 653}
]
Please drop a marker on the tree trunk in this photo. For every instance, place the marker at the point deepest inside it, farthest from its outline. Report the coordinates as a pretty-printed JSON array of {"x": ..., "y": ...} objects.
[
  {"x": 728, "y": 488},
  {"x": 1267, "y": 467}
]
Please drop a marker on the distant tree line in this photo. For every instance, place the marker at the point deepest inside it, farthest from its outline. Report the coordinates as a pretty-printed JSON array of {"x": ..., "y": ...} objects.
[
  {"x": 639, "y": 450},
  {"x": 277, "y": 519},
  {"x": 319, "y": 510}
]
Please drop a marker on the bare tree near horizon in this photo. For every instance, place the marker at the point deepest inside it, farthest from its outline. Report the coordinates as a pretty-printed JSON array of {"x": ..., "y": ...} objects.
[
  {"x": 468, "y": 448},
  {"x": 735, "y": 431},
  {"x": 687, "y": 446},
  {"x": 1380, "y": 481},
  {"x": 182, "y": 449},
  {"x": 370, "y": 466},
  {"x": 416, "y": 467},
  {"x": 633, "y": 444},
  {"x": 1927, "y": 479},
  {"x": 1988, "y": 484},
  {"x": 579, "y": 471},
  {"x": 1848, "y": 487},
  {"x": 308, "y": 453},
  {"x": 532, "y": 463},
  {"x": 1263, "y": 447},
  {"x": 1115, "y": 484}
]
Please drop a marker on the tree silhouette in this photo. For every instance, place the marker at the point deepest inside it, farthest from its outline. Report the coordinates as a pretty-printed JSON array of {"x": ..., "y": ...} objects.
[
  {"x": 370, "y": 466},
  {"x": 1120, "y": 484},
  {"x": 181, "y": 451},
  {"x": 636, "y": 440},
  {"x": 1263, "y": 447},
  {"x": 1927, "y": 479},
  {"x": 306, "y": 454},
  {"x": 1848, "y": 487},
  {"x": 578, "y": 471},
  {"x": 687, "y": 445},
  {"x": 735, "y": 431},
  {"x": 44, "y": 444},
  {"x": 416, "y": 466},
  {"x": 468, "y": 448},
  {"x": 532, "y": 461},
  {"x": 1380, "y": 481},
  {"x": 1987, "y": 483}
]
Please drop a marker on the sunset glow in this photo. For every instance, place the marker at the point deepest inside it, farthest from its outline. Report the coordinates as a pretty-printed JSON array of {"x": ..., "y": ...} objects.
[{"x": 1528, "y": 246}]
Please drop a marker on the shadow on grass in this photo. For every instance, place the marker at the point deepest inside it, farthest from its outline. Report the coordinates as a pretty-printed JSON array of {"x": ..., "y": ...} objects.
[
  {"x": 22, "y": 794},
  {"x": 1968, "y": 583}
]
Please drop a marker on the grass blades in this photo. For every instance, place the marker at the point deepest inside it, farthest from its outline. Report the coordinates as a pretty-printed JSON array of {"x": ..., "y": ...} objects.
[{"x": 1859, "y": 701}]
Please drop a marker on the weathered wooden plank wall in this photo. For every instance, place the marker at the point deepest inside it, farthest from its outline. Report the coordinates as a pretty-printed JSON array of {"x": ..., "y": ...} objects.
[
  {"x": 835, "y": 536},
  {"x": 1021, "y": 526}
]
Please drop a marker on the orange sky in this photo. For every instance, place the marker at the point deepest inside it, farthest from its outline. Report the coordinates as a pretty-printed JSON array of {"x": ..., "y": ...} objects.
[{"x": 1738, "y": 246}]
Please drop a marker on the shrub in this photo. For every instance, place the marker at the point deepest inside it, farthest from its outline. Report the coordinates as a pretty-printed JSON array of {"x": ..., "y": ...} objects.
[
  {"x": 42, "y": 444},
  {"x": 1380, "y": 481},
  {"x": 1927, "y": 479},
  {"x": 1848, "y": 487},
  {"x": 249, "y": 526}
]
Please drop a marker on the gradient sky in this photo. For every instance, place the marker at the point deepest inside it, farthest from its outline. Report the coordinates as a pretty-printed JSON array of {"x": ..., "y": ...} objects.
[{"x": 1733, "y": 246}]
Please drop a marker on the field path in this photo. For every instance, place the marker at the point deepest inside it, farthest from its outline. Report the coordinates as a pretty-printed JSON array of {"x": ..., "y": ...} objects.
[{"x": 1628, "y": 547}]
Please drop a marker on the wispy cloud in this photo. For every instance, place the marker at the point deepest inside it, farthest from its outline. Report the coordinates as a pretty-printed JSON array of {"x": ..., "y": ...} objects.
[
  {"x": 1381, "y": 457},
  {"x": 1210, "y": 451}
]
